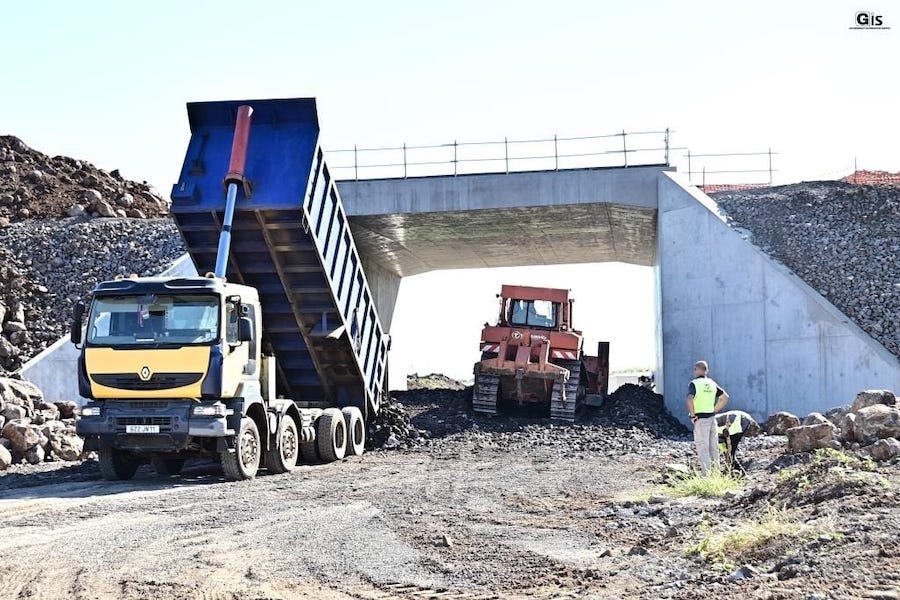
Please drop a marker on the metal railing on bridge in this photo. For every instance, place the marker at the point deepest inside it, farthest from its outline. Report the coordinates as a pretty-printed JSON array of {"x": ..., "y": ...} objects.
[
  {"x": 714, "y": 170},
  {"x": 622, "y": 149}
]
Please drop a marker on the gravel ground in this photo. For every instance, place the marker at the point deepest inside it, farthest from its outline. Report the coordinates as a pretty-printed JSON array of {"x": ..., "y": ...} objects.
[
  {"x": 842, "y": 239},
  {"x": 483, "y": 508}
]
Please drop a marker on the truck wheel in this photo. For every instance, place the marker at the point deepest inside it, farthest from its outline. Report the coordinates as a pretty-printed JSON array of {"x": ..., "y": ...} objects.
[
  {"x": 244, "y": 461},
  {"x": 116, "y": 465},
  {"x": 356, "y": 431},
  {"x": 282, "y": 456},
  {"x": 167, "y": 466},
  {"x": 331, "y": 435}
]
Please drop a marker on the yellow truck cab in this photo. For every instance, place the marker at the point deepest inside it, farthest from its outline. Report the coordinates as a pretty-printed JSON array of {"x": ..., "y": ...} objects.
[{"x": 170, "y": 366}]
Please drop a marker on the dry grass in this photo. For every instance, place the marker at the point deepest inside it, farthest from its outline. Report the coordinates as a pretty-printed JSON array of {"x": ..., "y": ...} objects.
[
  {"x": 714, "y": 485},
  {"x": 722, "y": 544}
]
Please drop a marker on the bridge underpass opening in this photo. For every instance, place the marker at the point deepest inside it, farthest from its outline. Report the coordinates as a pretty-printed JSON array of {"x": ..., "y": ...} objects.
[{"x": 439, "y": 315}]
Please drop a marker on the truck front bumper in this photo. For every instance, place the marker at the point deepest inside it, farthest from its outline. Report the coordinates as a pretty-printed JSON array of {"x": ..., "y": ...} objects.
[{"x": 143, "y": 426}]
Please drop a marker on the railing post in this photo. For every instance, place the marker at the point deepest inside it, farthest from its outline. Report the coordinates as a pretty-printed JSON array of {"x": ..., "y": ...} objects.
[
  {"x": 555, "y": 154},
  {"x": 689, "y": 166},
  {"x": 703, "y": 185},
  {"x": 506, "y": 153},
  {"x": 454, "y": 158},
  {"x": 404, "y": 160},
  {"x": 355, "y": 164},
  {"x": 667, "y": 147},
  {"x": 624, "y": 149},
  {"x": 770, "y": 166}
]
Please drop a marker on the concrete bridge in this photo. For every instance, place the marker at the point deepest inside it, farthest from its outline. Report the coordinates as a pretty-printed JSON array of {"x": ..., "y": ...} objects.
[{"x": 774, "y": 342}]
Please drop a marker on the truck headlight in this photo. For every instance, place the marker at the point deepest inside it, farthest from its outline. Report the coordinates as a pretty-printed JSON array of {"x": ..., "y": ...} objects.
[
  {"x": 210, "y": 410},
  {"x": 90, "y": 411}
]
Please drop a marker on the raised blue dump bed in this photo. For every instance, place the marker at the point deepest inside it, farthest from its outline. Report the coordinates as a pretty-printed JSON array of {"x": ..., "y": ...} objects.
[{"x": 291, "y": 241}]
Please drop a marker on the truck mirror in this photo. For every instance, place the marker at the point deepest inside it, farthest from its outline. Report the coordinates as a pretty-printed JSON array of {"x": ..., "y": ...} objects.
[
  {"x": 77, "y": 317},
  {"x": 245, "y": 329}
]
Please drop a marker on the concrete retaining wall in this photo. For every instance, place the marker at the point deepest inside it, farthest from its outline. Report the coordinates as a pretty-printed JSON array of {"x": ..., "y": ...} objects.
[{"x": 771, "y": 340}]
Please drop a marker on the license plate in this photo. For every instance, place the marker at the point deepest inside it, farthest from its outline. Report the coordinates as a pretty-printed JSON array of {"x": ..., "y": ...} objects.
[{"x": 142, "y": 429}]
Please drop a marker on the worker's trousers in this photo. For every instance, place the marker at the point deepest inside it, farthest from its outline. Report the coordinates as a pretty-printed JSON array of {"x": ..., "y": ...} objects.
[{"x": 706, "y": 439}]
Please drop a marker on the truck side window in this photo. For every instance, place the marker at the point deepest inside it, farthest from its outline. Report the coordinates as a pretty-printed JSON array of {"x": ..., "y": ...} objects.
[
  {"x": 231, "y": 323},
  {"x": 250, "y": 367}
]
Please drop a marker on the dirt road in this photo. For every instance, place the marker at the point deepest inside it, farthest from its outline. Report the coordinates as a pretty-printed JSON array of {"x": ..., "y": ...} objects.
[{"x": 502, "y": 509}]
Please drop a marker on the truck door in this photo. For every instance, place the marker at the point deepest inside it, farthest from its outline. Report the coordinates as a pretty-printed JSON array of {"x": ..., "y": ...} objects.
[{"x": 236, "y": 354}]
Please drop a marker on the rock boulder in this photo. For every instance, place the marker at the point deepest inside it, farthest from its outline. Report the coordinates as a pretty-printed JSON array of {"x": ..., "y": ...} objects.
[
  {"x": 870, "y": 397},
  {"x": 815, "y": 418},
  {"x": 5, "y": 458},
  {"x": 66, "y": 409},
  {"x": 807, "y": 438},
  {"x": 780, "y": 422},
  {"x": 885, "y": 449},
  {"x": 22, "y": 435},
  {"x": 876, "y": 422}
]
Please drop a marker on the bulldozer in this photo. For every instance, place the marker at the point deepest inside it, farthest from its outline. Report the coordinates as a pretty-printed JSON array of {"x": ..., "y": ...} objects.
[{"x": 533, "y": 355}]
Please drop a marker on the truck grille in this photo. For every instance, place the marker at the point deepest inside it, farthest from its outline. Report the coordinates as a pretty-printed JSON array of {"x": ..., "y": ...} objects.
[
  {"x": 148, "y": 404},
  {"x": 159, "y": 381},
  {"x": 165, "y": 423}
]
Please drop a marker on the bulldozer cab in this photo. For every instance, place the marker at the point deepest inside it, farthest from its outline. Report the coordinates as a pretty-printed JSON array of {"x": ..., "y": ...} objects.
[
  {"x": 533, "y": 313},
  {"x": 535, "y": 308}
]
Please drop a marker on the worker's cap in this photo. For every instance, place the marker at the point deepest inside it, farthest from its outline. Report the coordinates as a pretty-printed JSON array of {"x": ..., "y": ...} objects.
[{"x": 701, "y": 364}]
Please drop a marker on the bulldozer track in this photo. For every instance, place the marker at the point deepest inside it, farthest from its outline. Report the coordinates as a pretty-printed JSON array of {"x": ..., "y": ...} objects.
[
  {"x": 409, "y": 591},
  {"x": 485, "y": 393},
  {"x": 564, "y": 398}
]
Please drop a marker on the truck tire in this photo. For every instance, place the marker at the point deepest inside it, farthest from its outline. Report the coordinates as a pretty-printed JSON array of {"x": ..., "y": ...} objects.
[
  {"x": 309, "y": 454},
  {"x": 116, "y": 465},
  {"x": 243, "y": 463},
  {"x": 167, "y": 465},
  {"x": 356, "y": 431},
  {"x": 331, "y": 435},
  {"x": 282, "y": 455}
]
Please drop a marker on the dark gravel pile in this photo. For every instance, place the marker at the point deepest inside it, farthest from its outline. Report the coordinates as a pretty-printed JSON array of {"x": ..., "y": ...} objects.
[
  {"x": 634, "y": 406},
  {"x": 633, "y": 419},
  {"x": 842, "y": 239},
  {"x": 34, "y": 185},
  {"x": 392, "y": 428},
  {"x": 46, "y": 266}
]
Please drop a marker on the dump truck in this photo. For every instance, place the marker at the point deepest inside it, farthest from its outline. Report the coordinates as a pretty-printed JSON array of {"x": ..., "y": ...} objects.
[
  {"x": 277, "y": 353},
  {"x": 534, "y": 355}
]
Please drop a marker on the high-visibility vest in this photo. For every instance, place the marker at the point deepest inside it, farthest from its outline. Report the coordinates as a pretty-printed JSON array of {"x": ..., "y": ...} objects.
[
  {"x": 736, "y": 426},
  {"x": 704, "y": 395}
]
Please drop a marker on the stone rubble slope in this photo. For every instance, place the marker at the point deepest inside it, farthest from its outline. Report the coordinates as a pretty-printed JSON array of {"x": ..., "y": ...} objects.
[
  {"x": 34, "y": 185},
  {"x": 32, "y": 430},
  {"x": 47, "y": 266},
  {"x": 870, "y": 427},
  {"x": 842, "y": 239}
]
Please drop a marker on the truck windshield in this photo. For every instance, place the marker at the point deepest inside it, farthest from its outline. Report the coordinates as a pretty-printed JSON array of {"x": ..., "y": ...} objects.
[
  {"x": 534, "y": 313},
  {"x": 153, "y": 319}
]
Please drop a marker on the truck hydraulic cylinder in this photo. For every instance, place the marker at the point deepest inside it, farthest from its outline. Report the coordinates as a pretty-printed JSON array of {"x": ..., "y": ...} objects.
[{"x": 233, "y": 179}]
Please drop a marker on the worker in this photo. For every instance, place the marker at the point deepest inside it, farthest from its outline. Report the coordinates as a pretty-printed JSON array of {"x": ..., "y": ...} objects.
[
  {"x": 731, "y": 426},
  {"x": 705, "y": 398}
]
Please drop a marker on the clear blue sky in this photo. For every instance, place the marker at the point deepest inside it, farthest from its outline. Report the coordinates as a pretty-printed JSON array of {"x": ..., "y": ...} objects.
[{"x": 107, "y": 82}]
